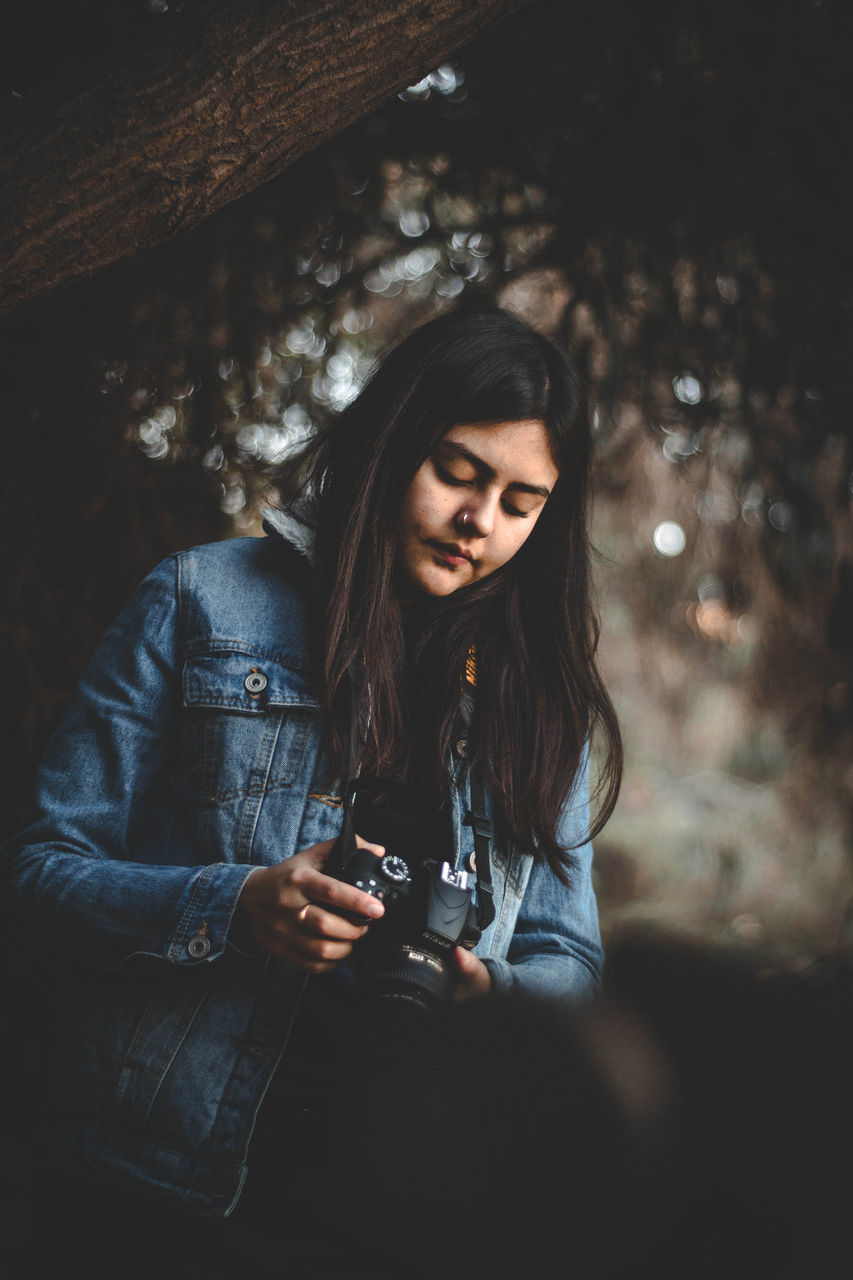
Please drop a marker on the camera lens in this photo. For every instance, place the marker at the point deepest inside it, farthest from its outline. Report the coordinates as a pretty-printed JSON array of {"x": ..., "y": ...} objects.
[{"x": 409, "y": 974}]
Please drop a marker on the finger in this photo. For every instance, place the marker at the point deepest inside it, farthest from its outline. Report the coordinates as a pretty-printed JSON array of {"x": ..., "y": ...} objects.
[
  {"x": 317, "y": 953},
  {"x": 474, "y": 977},
  {"x": 326, "y": 924},
  {"x": 338, "y": 895},
  {"x": 317, "y": 855},
  {"x": 378, "y": 849}
]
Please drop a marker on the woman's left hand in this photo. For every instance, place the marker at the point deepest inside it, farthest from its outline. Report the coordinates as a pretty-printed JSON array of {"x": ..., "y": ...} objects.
[{"x": 472, "y": 976}]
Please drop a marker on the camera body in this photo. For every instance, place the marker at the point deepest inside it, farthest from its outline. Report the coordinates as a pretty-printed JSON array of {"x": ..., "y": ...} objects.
[
  {"x": 387, "y": 878},
  {"x": 405, "y": 960}
]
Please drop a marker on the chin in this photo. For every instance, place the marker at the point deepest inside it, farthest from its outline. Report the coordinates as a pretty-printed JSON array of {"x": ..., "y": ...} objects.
[
  {"x": 428, "y": 577},
  {"x": 434, "y": 583},
  {"x": 437, "y": 589}
]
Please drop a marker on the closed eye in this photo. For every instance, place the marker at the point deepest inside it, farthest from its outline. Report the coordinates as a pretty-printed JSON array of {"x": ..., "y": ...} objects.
[
  {"x": 461, "y": 482},
  {"x": 449, "y": 478}
]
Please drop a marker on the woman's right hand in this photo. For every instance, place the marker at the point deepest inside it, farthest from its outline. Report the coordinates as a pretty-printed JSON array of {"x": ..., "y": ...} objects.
[{"x": 285, "y": 909}]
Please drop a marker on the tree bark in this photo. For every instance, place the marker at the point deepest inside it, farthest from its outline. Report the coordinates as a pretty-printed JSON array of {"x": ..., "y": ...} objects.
[{"x": 151, "y": 146}]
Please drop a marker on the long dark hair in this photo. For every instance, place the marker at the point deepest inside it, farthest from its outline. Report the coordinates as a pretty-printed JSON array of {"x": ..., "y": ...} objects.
[{"x": 539, "y": 695}]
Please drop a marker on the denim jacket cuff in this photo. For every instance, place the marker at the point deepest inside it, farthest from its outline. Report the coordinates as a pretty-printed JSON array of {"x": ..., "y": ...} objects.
[
  {"x": 208, "y": 913},
  {"x": 569, "y": 979},
  {"x": 500, "y": 972}
]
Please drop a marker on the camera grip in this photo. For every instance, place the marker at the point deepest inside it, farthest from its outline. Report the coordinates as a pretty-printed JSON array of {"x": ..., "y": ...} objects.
[{"x": 446, "y": 910}]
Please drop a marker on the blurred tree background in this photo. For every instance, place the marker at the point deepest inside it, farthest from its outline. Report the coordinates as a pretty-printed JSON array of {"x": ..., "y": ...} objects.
[{"x": 660, "y": 188}]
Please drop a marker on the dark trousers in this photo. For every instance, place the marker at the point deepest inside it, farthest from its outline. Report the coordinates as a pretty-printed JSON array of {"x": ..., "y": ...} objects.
[
  {"x": 101, "y": 1233},
  {"x": 303, "y": 1212}
]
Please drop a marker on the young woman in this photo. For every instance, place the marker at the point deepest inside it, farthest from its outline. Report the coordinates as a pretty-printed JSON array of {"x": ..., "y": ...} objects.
[{"x": 419, "y": 614}]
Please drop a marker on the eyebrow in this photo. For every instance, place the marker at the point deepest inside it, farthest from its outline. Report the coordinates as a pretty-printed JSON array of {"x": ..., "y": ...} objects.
[{"x": 540, "y": 490}]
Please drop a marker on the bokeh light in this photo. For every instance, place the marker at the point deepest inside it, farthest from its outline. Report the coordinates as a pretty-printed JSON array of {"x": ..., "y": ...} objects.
[{"x": 669, "y": 538}]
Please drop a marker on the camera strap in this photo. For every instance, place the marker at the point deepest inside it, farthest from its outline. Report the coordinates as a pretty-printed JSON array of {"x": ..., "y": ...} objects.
[
  {"x": 482, "y": 828},
  {"x": 476, "y": 818}
]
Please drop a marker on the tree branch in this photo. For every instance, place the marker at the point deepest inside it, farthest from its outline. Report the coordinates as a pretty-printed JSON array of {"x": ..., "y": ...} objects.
[{"x": 183, "y": 127}]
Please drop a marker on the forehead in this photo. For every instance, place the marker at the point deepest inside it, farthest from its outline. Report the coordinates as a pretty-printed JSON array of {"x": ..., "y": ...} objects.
[{"x": 508, "y": 448}]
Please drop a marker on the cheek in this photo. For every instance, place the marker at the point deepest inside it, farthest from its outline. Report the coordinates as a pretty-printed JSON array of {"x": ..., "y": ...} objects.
[
  {"x": 411, "y": 526},
  {"x": 425, "y": 505},
  {"x": 409, "y": 513},
  {"x": 421, "y": 510},
  {"x": 514, "y": 539}
]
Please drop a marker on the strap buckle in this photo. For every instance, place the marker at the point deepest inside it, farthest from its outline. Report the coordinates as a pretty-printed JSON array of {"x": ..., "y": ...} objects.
[{"x": 480, "y": 823}]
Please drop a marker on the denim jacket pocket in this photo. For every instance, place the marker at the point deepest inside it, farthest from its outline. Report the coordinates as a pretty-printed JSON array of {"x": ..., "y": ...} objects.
[{"x": 246, "y": 719}]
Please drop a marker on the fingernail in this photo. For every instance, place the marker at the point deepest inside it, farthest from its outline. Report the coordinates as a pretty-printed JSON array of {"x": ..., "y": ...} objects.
[{"x": 376, "y": 909}]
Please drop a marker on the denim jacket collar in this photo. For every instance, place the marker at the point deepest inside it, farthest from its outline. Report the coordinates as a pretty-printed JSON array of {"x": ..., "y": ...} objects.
[{"x": 296, "y": 524}]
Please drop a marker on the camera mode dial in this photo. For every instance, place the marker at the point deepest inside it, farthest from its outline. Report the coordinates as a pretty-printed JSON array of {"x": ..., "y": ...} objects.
[{"x": 394, "y": 868}]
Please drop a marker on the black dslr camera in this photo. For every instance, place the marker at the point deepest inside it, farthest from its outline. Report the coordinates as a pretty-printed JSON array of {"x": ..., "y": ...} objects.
[{"x": 406, "y": 957}]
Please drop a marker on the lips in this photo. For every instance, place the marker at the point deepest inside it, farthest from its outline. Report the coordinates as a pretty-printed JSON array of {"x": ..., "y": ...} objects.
[{"x": 452, "y": 552}]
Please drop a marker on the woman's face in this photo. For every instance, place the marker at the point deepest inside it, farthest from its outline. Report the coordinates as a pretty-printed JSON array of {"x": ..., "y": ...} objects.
[{"x": 474, "y": 503}]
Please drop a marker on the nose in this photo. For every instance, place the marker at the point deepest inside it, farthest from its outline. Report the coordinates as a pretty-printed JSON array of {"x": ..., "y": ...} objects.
[{"x": 476, "y": 519}]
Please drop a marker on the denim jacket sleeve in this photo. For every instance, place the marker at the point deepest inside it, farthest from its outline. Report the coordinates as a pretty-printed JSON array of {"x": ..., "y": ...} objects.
[
  {"x": 555, "y": 951},
  {"x": 72, "y": 888}
]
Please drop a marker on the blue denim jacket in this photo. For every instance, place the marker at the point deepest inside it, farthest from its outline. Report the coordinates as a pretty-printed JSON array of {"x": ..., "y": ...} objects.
[{"x": 174, "y": 773}]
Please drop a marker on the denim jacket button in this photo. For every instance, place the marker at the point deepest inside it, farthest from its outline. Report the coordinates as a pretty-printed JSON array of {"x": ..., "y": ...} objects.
[
  {"x": 255, "y": 683},
  {"x": 199, "y": 946}
]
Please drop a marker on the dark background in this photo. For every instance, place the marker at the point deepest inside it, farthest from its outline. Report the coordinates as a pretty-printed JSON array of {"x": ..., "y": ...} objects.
[{"x": 659, "y": 187}]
